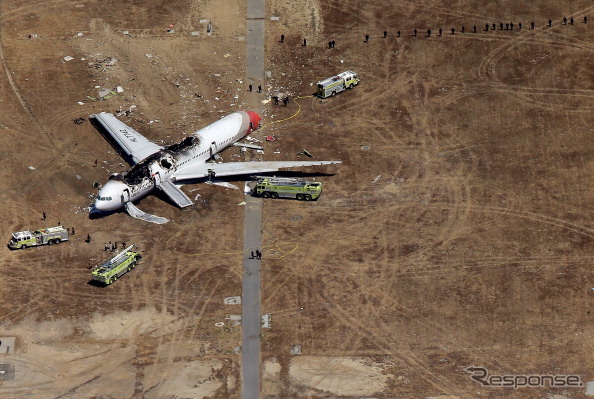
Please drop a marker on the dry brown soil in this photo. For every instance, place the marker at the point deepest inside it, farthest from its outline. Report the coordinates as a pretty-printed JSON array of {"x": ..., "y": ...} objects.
[{"x": 457, "y": 231}]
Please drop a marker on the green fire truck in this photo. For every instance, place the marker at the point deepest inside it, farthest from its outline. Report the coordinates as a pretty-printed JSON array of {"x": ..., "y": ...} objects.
[
  {"x": 336, "y": 84},
  {"x": 117, "y": 266},
  {"x": 286, "y": 187},
  {"x": 48, "y": 236}
]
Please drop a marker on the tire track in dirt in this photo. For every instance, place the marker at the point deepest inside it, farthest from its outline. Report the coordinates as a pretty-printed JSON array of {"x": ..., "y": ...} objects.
[
  {"x": 388, "y": 345},
  {"x": 488, "y": 67}
]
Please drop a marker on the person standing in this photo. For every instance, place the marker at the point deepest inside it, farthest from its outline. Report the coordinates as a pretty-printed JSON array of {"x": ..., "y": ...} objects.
[
  {"x": 474, "y": 29},
  {"x": 259, "y": 88},
  {"x": 415, "y": 32},
  {"x": 385, "y": 34},
  {"x": 250, "y": 87},
  {"x": 585, "y": 19},
  {"x": 564, "y": 21},
  {"x": 304, "y": 42},
  {"x": 532, "y": 25},
  {"x": 366, "y": 38},
  {"x": 44, "y": 217},
  {"x": 571, "y": 21},
  {"x": 519, "y": 26},
  {"x": 428, "y": 32},
  {"x": 398, "y": 33},
  {"x": 440, "y": 32},
  {"x": 550, "y": 22},
  {"x": 453, "y": 31},
  {"x": 282, "y": 40},
  {"x": 88, "y": 240},
  {"x": 486, "y": 27}
]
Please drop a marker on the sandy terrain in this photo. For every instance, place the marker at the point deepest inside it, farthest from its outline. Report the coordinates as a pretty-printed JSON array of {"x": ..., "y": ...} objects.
[{"x": 457, "y": 231}]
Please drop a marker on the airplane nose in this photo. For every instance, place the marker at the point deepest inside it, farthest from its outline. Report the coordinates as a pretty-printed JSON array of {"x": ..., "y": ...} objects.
[{"x": 254, "y": 119}]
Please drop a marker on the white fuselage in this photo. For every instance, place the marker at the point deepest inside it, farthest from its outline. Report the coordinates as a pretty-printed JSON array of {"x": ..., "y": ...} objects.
[{"x": 143, "y": 177}]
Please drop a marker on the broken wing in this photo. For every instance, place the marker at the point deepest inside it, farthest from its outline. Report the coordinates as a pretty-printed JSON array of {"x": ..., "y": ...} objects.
[
  {"x": 134, "y": 146},
  {"x": 240, "y": 168}
]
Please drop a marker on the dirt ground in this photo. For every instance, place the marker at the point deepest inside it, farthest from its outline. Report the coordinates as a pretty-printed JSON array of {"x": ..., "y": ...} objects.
[{"x": 456, "y": 233}]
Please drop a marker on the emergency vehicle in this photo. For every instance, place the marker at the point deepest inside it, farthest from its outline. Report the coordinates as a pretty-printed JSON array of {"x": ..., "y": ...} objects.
[
  {"x": 285, "y": 187},
  {"x": 336, "y": 84},
  {"x": 117, "y": 266},
  {"x": 49, "y": 236}
]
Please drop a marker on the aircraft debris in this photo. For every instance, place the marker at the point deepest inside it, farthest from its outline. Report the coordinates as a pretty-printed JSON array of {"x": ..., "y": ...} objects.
[
  {"x": 78, "y": 121},
  {"x": 138, "y": 214},
  {"x": 295, "y": 350},
  {"x": 80, "y": 103},
  {"x": 274, "y": 18},
  {"x": 232, "y": 300},
  {"x": 250, "y": 146},
  {"x": 195, "y": 33},
  {"x": 266, "y": 320},
  {"x": 120, "y": 89},
  {"x": 80, "y": 34},
  {"x": 376, "y": 179},
  {"x": 219, "y": 324},
  {"x": 223, "y": 184},
  {"x": 304, "y": 152},
  {"x": 32, "y": 167},
  {"x": 242, "y": 203},
  {"x": 270, "y": 138},
  {"x": 68, "y": 58}
]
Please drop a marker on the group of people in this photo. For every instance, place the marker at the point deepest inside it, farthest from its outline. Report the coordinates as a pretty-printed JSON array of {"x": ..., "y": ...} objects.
[
  {"x": 250, "y": 88},
  {"x": 113, "y": 246},
  {"x": 286, "y": 100},
  {"x": 488, "y": 27},
  {"x": 257, "y": 255},
  {"x": 70, "y": 230}
]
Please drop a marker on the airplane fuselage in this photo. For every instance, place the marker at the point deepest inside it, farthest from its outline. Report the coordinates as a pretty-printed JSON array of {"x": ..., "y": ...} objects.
[{"x": 143, "y": 177}]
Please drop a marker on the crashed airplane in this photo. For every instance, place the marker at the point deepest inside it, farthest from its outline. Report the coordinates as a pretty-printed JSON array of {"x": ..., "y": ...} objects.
[{"x": 167, "y": 168}]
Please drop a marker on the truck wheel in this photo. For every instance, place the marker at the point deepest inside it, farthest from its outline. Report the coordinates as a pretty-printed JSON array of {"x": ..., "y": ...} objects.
[
  {"x": 57, "y": 241},
  {"x": 24, "y": 246},
  {"x": 266, "y": 194},
  {"x": 333, "y": 93},
  {"x": 307, "y": 197},
  {"x": 50, "y": 242},
  {"x": 274, "y": 195},
  {"x": 299, "y": 197}
]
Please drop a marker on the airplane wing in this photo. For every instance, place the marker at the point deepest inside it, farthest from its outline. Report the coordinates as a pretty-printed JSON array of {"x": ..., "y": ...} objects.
[
  {"x": 240, "y": 168},
  {"x": 175, "y": 194},
  {"x": 134, "y": 145}
]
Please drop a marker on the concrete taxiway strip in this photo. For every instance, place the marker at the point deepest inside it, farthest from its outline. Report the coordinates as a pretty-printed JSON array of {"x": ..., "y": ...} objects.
[
  {"x": 252, "y": 236},
  {"x": 250, "y": 303}
]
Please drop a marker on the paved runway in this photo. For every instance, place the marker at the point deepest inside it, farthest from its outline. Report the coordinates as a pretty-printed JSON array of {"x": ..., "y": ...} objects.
[
  {"x": 252, "y": 236},
  {"x": 250, "y": 303}
]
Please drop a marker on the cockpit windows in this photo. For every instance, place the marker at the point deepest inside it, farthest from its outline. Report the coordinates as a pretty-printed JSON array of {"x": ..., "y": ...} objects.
[{"x": 104, "y": 198}]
